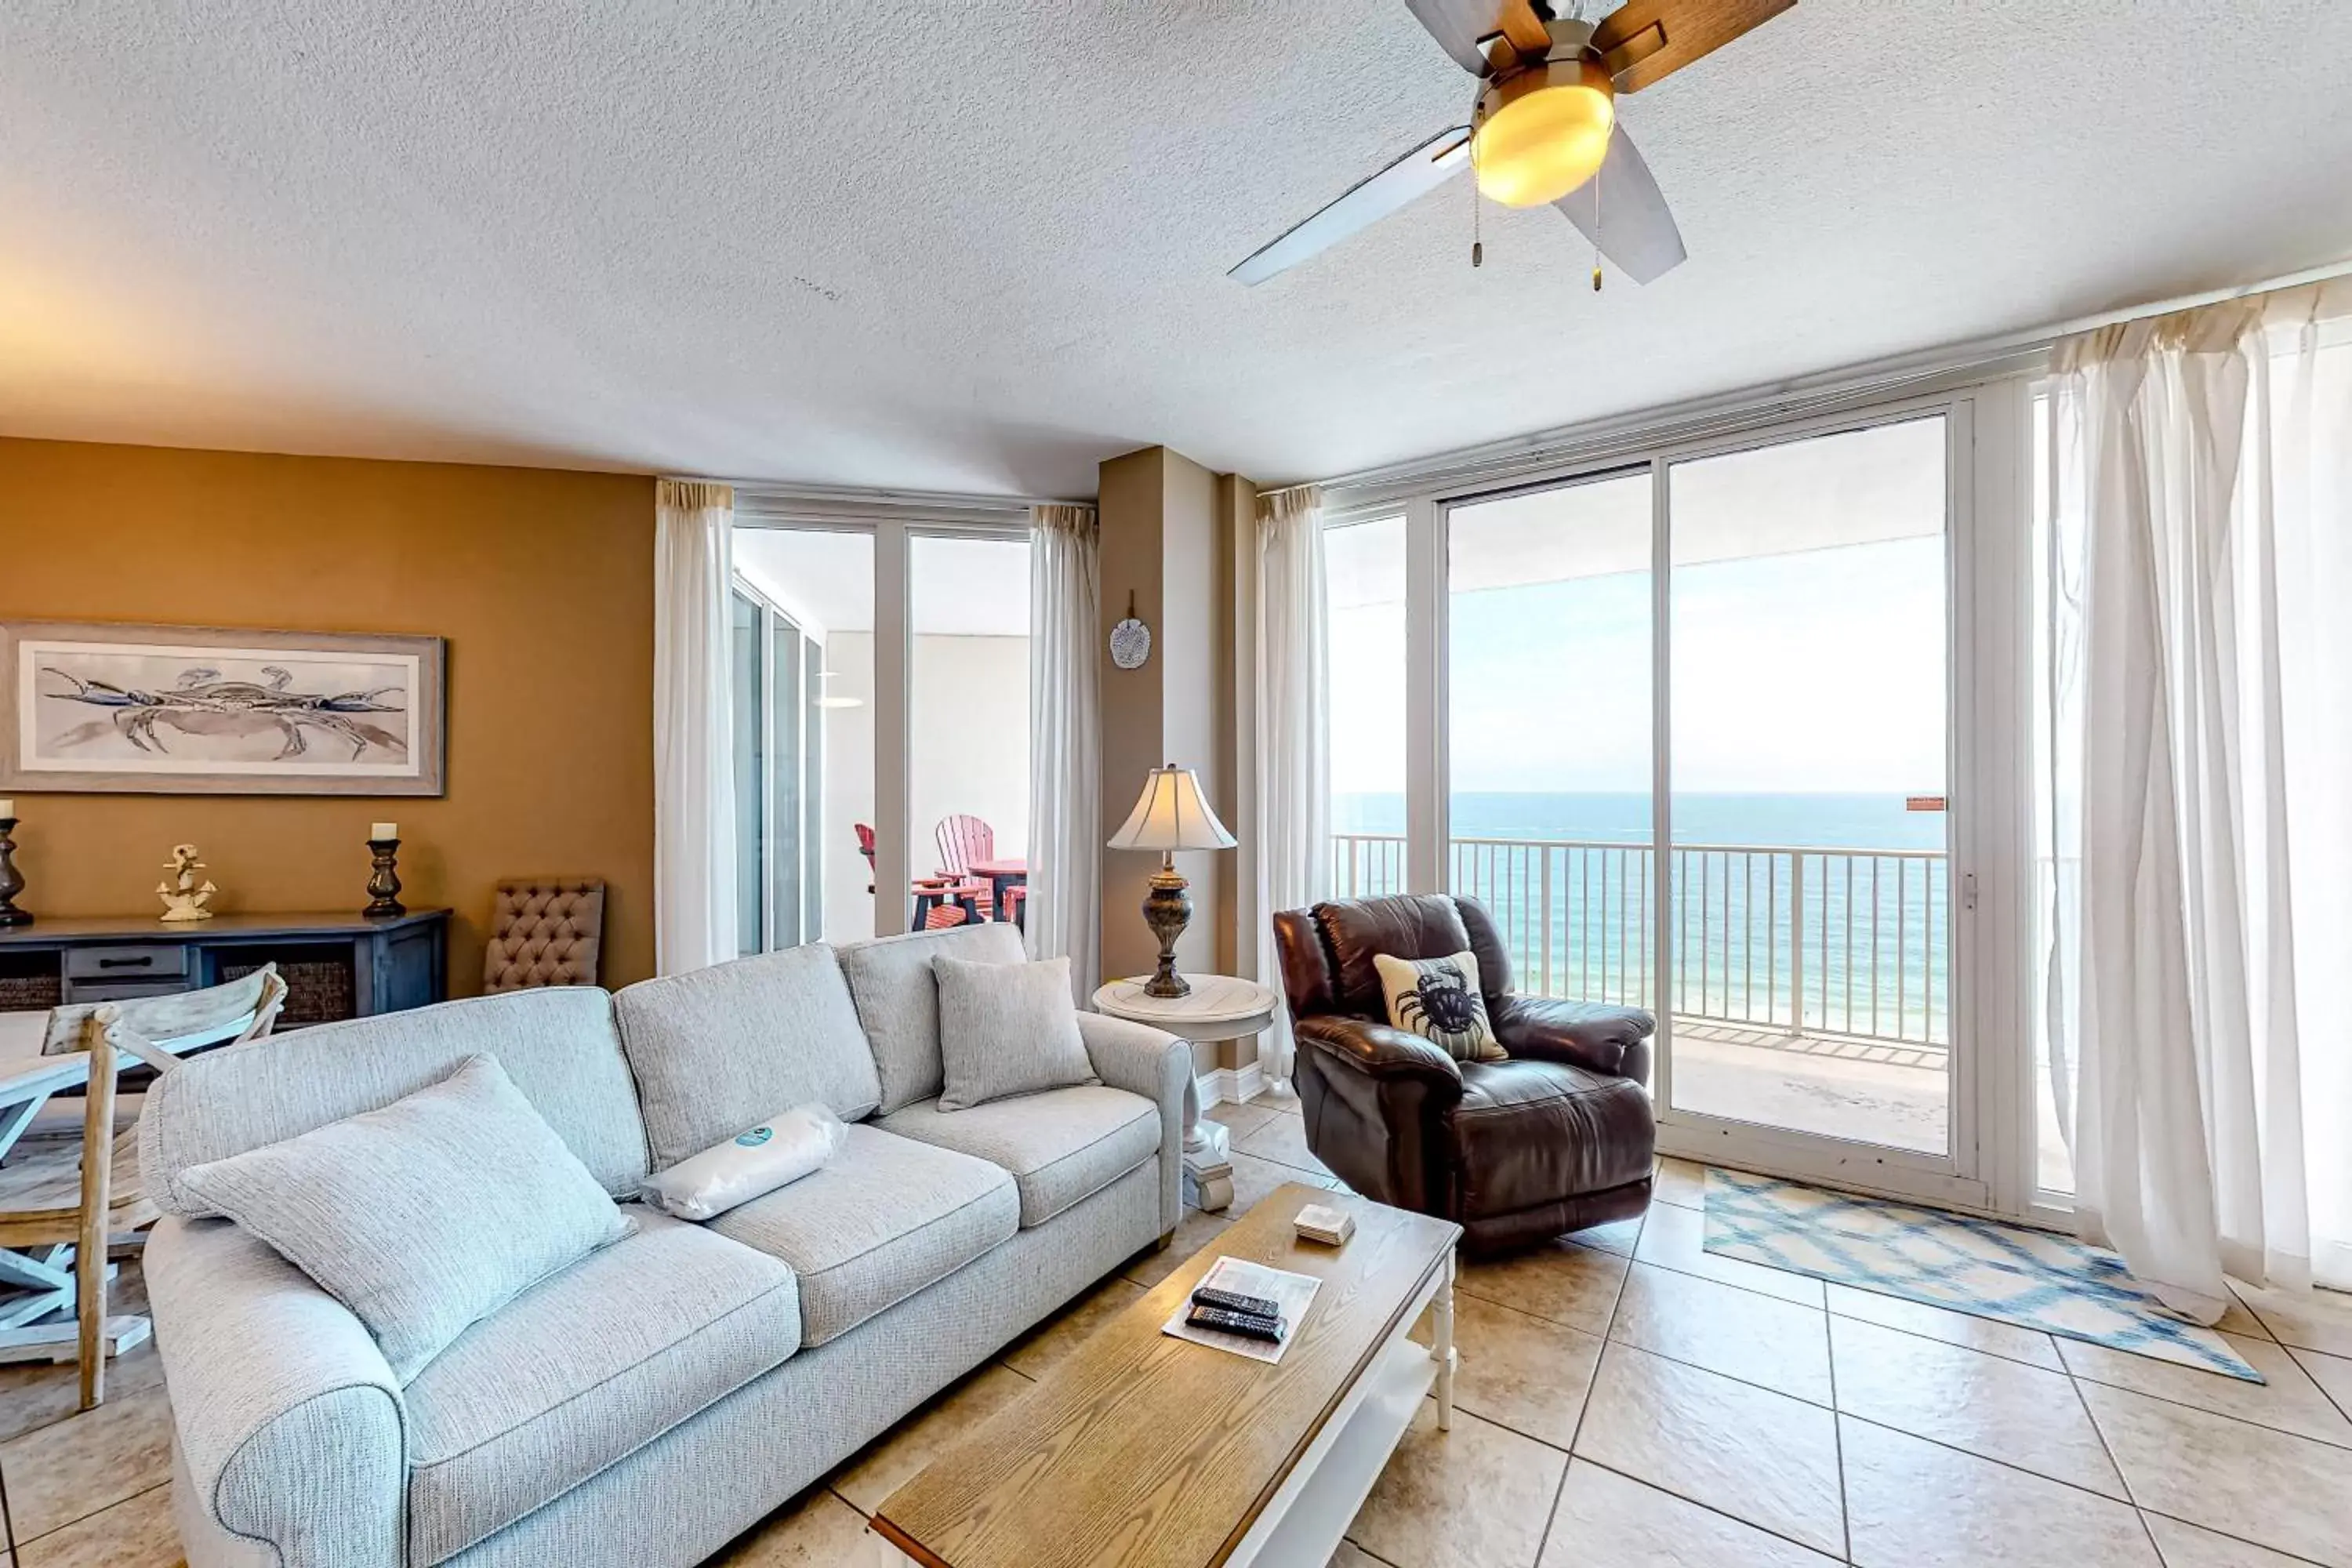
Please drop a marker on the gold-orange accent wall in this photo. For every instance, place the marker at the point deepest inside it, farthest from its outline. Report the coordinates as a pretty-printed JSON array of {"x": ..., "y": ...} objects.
[{"x": 541, "y": 580}]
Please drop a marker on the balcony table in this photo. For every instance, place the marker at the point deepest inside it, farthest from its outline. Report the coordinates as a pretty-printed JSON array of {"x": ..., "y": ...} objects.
[{"x": 1011, "y": 870}]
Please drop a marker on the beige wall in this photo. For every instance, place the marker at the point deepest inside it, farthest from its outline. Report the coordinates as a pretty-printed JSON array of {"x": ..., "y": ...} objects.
[
  {"x": 542, "y": 581},
  {"x": 1236, "y": 520},
  {"x": 1167, "y": 538}
]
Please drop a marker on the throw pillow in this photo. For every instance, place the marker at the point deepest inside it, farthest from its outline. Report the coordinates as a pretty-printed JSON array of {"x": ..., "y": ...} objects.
[
  {"x": 1439, "y": 999},
  {"x": 1006, "y": 1030},
  {"x": 424, "y": 1216},
  {"x": 751, "y": 1165}
]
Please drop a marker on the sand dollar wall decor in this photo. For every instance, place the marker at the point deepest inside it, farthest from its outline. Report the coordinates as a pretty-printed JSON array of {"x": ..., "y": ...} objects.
[{"x": 1131, "y": 640}]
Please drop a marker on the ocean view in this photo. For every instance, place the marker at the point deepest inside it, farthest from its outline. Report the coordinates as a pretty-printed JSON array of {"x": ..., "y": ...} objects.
[
  {"x": 1811, "y": 821},
  {"x": 1776, "y": 919}
]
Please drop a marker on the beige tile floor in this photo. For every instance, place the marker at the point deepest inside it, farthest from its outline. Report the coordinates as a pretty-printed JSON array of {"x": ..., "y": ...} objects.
[{"x": 1625, "y": 1400}]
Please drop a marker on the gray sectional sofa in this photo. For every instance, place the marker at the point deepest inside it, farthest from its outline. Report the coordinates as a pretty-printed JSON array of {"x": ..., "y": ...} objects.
[{"x": 656, "y": 1399}]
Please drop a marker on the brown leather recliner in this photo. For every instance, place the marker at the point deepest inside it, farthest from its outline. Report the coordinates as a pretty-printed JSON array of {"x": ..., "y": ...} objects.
[{"x": 1557, "y": 1138}]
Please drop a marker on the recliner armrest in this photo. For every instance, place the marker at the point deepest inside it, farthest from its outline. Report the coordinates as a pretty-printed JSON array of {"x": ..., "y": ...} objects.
[
  {"x": 1377, "y": 1050},
  {"x": 1595, "y": 1035},
  {"x": 292, "y": 1429}
]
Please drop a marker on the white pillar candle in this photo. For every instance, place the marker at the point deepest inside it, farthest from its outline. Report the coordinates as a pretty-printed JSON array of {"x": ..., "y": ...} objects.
[
  {"x": 384, "y": 830},
  {"x": 7, "y": 809}
]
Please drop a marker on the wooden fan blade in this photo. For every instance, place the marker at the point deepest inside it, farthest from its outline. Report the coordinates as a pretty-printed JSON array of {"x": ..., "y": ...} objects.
[
  {"x": 1458, "y": 24},
  {"x": 1416, "y": 173},
  {"x": 1621, "y": 211},
  {"x": 1644, "y": 41}
]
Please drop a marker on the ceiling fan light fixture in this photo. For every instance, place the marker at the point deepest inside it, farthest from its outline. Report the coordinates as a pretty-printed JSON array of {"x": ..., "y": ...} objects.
[{"x": 1543, "y": 131}]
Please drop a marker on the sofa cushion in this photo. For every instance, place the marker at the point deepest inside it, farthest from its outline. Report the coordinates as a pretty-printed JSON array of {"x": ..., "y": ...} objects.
[
  {"x": 423, "y": 1217},
  {"x": 1007, "y": 1029},
  {"x": 1526, "y": 1133},
  {"x": 585, "y": 1368},
  {"x": 723, "y": 1048},
  {"x": 1060, "y": 1146},
  {"x": 557, "y": 1046},
  {"x": 888, "y": 1217},
  {"x": 899, "y": 1001}
]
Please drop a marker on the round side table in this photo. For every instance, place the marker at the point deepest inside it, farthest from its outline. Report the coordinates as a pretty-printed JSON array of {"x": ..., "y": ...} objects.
[{"x": 1220, "y": 1008}]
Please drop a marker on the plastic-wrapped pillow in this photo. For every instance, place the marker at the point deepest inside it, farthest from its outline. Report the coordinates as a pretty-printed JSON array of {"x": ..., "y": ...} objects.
[{"x": 781, "y": 1150}]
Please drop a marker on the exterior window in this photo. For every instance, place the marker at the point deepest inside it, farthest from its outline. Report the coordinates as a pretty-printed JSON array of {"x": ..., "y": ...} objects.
[{"x": 1364, "y": 574}]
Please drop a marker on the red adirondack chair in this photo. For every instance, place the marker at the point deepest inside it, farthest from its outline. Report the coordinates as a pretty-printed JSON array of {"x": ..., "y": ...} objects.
[
  {"x": 962, "y": 841},
  {"x": 866, "y": 848},
  {"x": 965, "y": 841}
]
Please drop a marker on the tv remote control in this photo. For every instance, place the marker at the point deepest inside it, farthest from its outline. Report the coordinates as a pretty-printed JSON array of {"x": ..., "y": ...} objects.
[
  {"x": 1234, "y": 1301},
  {"x": 1249, "y": 1325}
]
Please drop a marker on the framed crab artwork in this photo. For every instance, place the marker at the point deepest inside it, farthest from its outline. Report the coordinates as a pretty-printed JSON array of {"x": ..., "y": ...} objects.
[{"x": 87, "y": 706}]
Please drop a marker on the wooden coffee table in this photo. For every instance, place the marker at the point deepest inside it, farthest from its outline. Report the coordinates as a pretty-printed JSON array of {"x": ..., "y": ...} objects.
[{"x": 1146, "y": 1451}]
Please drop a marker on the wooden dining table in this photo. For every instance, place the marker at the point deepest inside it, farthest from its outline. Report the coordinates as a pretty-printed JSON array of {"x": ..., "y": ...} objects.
[{"x": 37, "y": 1284}]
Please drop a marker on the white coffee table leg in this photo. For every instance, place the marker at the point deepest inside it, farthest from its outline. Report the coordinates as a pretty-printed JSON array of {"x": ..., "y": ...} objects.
[{"x": 1442, "y": 1348}]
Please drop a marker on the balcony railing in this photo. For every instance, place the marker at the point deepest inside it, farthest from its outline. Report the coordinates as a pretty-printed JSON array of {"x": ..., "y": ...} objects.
[{"x": 1839, "y": 942}]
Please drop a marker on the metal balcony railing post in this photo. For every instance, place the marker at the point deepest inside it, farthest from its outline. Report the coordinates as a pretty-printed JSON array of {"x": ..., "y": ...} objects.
[
  {"x": 1546, "y": 920},
  {"x": 1797, "y": 941}
]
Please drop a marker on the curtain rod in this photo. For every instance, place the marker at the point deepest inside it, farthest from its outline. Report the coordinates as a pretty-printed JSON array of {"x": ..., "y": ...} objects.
[
  {"x": 783, "y": 490},
  {"x": 1980, "y": 353}
]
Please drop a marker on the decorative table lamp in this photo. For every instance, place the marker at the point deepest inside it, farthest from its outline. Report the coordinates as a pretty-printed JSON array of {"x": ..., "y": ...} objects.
[{"x": 1172, "y": 816}]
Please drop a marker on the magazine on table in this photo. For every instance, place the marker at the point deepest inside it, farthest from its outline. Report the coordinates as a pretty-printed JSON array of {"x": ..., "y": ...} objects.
[{"x": 1290, "y": 1293}]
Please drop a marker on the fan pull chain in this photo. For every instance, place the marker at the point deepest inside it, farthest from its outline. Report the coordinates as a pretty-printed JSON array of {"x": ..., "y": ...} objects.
[
  {"x": 1477, "y": 244},
  {"x": 1596, "y": 231}
]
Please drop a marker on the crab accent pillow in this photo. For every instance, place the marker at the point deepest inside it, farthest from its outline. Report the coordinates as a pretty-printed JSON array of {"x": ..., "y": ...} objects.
[{"x": 1439, "y": 999}]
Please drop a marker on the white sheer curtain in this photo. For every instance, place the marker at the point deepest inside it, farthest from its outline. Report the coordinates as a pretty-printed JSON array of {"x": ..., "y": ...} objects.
[
  {"x": 694, "y": 782},
  {"x": 1065, "y": 836},
  {"x": 2200, "y": 757},
  {"x": 1294, "y": 721}
]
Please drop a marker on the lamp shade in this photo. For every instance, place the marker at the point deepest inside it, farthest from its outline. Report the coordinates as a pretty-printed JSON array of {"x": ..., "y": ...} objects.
[{"x": 1172, "y": 816}]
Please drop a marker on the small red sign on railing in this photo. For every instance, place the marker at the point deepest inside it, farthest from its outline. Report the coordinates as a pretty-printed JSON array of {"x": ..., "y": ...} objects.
[{"x": 1922, "y": 802}]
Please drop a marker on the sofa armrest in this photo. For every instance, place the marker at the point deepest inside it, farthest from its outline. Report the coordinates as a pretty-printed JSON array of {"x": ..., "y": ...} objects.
[
  {"x": 1378, "y": 1050},
  {"x": 1595, "y": 1035},
  {"x": 1158, "y": 1066},
  {"x": 290, "y": 1425}
]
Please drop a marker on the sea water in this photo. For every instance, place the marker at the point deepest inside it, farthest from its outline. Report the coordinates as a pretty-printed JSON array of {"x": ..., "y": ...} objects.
[{"x": 1770, "y": 922}]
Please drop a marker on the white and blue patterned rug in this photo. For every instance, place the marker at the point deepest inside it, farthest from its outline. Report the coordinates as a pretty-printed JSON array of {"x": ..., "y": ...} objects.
[{"x": 2029, "y": 1278}]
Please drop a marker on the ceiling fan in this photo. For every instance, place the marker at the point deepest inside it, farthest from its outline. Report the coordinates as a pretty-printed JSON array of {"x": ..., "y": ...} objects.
[{"x": 1544, "y": 126}]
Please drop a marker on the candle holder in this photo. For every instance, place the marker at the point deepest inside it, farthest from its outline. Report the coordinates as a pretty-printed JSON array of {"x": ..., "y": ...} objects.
[
  {"x": 12, "y": 880},
  {"x": 384, "y": 882}
]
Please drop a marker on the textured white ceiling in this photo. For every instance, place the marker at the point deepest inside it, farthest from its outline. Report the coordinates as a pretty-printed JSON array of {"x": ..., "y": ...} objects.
[{"x": 981, "y": 246}]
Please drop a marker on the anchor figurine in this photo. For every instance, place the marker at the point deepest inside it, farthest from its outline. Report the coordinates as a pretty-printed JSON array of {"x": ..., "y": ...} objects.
[{"x": 183, "y": 899}]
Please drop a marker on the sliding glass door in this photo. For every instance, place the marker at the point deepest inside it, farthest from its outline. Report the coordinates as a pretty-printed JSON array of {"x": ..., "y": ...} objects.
[
  {"x": 881, "y": 694},
  {"x": 968, "y": 685},
  {"x": 804, "y": 736},
  {"x": 1808, "y": 917},
  {"x": 1696, "y": 751},
  {"x": 1549, "y": 799}
]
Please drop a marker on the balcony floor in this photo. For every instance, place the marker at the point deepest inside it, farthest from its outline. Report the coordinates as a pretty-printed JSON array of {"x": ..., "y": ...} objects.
[{"x": 1835, "y": 1085}]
